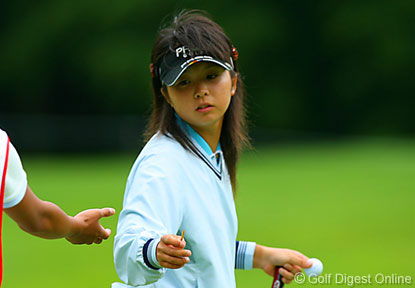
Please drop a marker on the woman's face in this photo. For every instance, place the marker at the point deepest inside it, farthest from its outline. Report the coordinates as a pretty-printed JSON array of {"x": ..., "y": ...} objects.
[{"x": 202, "y": 95}]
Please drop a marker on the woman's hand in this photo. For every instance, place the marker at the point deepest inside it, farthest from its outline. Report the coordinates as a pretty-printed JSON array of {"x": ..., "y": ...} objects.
[
  {"x": 292, "y": 261},
  {"x": 171, "y": 253}
]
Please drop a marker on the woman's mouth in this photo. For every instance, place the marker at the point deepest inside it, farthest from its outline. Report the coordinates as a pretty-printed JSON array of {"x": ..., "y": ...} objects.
[{"x": 204, "y": 108}]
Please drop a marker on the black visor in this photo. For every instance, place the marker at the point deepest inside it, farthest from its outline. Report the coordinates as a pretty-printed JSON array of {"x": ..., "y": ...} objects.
[{"x": 176, "y": 62}]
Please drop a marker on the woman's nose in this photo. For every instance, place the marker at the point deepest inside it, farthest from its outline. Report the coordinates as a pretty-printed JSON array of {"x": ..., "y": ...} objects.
[
  {"x": 201, "y": 93},
  {"x": 201, "y": 90}
]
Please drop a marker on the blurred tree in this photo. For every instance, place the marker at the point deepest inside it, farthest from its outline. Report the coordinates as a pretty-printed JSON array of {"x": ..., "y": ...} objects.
[{"x": 310, "y": 66}]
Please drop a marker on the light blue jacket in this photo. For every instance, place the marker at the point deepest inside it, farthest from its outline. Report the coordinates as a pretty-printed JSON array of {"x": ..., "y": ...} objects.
[{"x": 170, "y": 189}]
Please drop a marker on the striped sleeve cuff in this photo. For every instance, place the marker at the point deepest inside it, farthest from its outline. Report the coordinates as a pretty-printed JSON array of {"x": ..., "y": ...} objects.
[
  {"x": 244, "y": 257},
  {"x": 149, "y": 254}
]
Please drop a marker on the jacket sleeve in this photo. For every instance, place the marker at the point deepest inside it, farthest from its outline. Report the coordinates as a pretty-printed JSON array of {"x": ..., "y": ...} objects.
[
  {"x": 16, "y": 180},
  {"x": 152, "y": 207},
  {"x": 244, "y": 255}
]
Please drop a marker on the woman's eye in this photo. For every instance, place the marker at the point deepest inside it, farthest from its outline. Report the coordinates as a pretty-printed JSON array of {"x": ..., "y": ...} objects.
[
  {"x": 212, "y": 76},
  {"x": 183, "y": 82}
]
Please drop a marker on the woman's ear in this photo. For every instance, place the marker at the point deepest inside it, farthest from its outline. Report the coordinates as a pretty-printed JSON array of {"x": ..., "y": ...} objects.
[
  {"x": 165, "y": 94},
  {"x": 234, "y": 84}
]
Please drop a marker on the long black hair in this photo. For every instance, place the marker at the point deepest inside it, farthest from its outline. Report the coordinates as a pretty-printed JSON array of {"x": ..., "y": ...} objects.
[{"x": 195, "y": 30}]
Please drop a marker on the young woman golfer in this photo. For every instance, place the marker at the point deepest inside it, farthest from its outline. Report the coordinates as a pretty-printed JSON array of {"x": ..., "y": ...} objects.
[{"x": 184, "y": 178}]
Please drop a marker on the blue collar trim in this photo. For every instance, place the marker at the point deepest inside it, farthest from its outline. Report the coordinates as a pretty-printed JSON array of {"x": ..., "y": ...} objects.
[
  {"x": 215, "y": 159},
  {"x": 196, "y": 136}
]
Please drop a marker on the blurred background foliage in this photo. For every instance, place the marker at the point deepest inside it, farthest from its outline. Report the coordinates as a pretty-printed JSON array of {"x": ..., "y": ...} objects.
[{"x": 73, "y": 72}]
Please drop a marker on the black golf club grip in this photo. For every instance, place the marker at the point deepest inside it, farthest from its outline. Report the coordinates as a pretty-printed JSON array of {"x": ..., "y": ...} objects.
[{"x": 277, "y": 282}]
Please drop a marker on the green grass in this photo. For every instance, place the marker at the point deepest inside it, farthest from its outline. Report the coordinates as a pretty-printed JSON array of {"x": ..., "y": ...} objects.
[{"x": 349, "y": 204}]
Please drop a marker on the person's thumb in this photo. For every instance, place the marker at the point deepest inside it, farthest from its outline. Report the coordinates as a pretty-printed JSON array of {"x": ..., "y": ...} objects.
[
  {"x": 301, "y": 260},
  {"x": 306, "y": 263},
  {"x": 106, "y": 212}
]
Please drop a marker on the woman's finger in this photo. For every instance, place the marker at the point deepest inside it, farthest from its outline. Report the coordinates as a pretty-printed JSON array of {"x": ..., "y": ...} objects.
[
  {"x": 173, "y": 240},
  {"x": 179, "y": 261},
  {"x": 286, "y": 281},
  {"x": 169, "y": 266},
  {"x": 172, "y": 251},
  {"x": 296, "y": 258},
  {"x": 292, "y": 268},
  {"x": 286, "y": 274}
]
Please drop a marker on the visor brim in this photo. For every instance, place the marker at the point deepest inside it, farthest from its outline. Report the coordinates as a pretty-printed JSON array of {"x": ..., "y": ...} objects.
[{"x": 174, "y": 74}]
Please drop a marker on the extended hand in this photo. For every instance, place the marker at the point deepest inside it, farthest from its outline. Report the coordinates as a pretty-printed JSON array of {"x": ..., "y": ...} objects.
[
  {"x": 171, "y": 253},
  {"x": 292, "y": 261},
  {"x": 87, "y": 228}
]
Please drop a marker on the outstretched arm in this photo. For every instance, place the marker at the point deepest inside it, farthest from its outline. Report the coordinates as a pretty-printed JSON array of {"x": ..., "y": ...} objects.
[
  {"x": 292, "y": 261},
  {"x": 47, "y": 220}
]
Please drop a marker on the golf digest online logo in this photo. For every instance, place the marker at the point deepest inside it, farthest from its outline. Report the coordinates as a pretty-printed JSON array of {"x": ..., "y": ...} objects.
[{"x": 342, "y": 279}]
